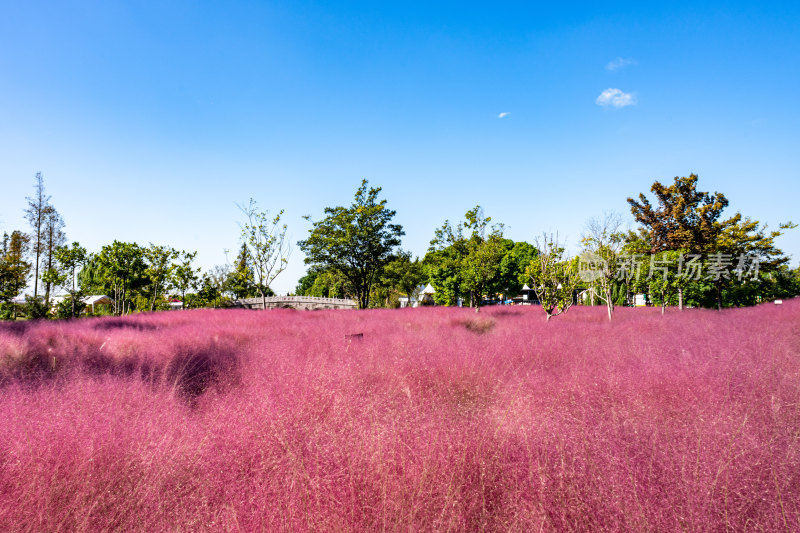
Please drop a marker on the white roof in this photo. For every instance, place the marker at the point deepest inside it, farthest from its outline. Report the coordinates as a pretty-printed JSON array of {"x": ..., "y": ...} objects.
[
  {"x": 89, "y": 300},
  {"x": 428, "y": 289},
  {"x": 525, "y": 287}
]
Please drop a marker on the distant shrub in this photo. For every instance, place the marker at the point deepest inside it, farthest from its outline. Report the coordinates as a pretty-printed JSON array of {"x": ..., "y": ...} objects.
[
  {"x": 64, "y": 308},
  {"x": 477, "y": 325},
  {"x": 36, "y": 307}
]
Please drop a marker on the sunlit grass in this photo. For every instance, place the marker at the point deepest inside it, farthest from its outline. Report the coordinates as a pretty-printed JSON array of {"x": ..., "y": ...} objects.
[{"x": 434, "y": 419}]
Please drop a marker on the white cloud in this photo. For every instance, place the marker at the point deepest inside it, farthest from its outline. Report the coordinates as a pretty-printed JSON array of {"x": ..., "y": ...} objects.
[
  {"x": 615, "y": 98},
  {"x": 503, "y": 114},
  {"x": 619, "y": 63}
]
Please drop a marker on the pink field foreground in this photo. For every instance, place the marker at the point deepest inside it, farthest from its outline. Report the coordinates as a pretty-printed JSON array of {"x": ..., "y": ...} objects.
[{"x": 437, "y": 419}]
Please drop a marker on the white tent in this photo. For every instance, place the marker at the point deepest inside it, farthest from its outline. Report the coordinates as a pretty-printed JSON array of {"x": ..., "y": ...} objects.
[{"x": 98, "y": 299}]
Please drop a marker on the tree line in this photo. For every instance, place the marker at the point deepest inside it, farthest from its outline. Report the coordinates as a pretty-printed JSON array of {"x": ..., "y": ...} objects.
[
  {"x": 355, "y": 252},
  {"x": 135, "y": 277}
]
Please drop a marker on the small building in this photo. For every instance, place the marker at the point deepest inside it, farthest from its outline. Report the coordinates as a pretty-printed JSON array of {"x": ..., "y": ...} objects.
[
  {"x": 97, "y": 300},
  {"x": 92, "y": 302},
  {"x": 426, "y": 295},
  {"x": 527, "y": 296},
  {"x": 423, "y": 296}
]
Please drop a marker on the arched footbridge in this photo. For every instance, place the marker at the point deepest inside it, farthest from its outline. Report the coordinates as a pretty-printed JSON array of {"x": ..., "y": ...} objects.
[{"x": 296, "y": 302}]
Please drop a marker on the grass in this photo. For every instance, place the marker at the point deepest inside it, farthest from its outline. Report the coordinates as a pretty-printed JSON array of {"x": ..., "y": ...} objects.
[{"x": 412, "y": 420}]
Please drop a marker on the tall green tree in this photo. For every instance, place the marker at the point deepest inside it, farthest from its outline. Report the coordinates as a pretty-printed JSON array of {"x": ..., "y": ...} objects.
[
  {"x": 747, "y": 253},
  {"x": 36, "y": 214},
  {"x": 184, "y": 275},
  {"x": 328, "y": 283},
  {"x": 512, "y": 267},
  {"x": 356, "y": 241},
  {"x": 690, "y": 221},
  {"x": 265, "y": 238},
  {"x": 160, "y": 266},
  {"x": 14, "y": 269},
  {"x": 402, "y": 274},
  {"x": 683, "y": 219},
  {"x": 443, "y": 263},
  {"x": 466, "y": 258},
  {"x": 118, "y": 270},
  {"x": 53, "y": 238},
  {"x": 241, "y": 280},
  {"x": 485, "y": 251},
  {"x": 70, "y": 259}
]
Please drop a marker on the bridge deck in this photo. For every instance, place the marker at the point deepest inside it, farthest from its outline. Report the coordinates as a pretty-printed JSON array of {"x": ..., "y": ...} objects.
[{"x": 296, "y": 302}]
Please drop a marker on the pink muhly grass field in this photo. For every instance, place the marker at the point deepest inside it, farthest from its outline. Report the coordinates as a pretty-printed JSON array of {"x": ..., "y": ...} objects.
[{"x": 434, "y": 419}]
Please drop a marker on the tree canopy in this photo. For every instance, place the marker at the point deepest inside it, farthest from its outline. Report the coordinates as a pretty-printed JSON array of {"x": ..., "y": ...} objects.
[{"x": 356, "y": 241}]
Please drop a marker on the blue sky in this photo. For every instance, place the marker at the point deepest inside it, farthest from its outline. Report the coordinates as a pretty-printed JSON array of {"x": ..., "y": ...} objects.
[{"x": 150, "y": 121}]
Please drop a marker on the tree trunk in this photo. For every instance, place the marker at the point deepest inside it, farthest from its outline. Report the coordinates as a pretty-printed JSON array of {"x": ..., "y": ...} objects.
[
  {"x": 36, "y": 277},
  {"x": 72, "y": 297},
  {"x": 49, "y": 262},
  {"x": 680, "y": 298},
  {"x": 609, "y": 302},
  {"x": 153, "y": 300}
]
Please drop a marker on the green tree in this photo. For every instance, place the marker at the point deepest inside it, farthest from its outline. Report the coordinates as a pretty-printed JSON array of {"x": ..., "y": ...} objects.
[
  {"x": 70, "y": 259},
  {"x": 554, "y": 276},
  {"x": 685, "y": 218},
  {"x": 36, "y": 214},
  {"x": 305, "y": 283},
  {"x": 485, "y": 251},
  {"x": 660, "y": 276},
  {"x": 160, "y": 261},
  {"x": 690, "y": 221},
  {"x": 184, "y": 275},
  {"x": 443, "y": 263},
  {"x": 118, "y": 270},
  {"x": 241, "y": 280},
  {"x": 217, "y": 278},
  {"x": 14, "y": 269},
  {"x": 744, "y": 244},
  {"x": 210, "y": 292},
  {"x": 467, "y": 257},
  {"x": 356, "y": 241},
  {"x": 331, "y": 284},
  {"x": 403, "y": 275},
  {"x": 53, "y": 237},
  {"x": 265, "y": 239},
  {"x": 603, "y": 242},
  {"x": 512, "y": 267}
]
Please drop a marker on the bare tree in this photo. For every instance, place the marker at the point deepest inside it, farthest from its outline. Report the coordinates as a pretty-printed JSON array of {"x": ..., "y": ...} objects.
[
  {"x": 554, "y": 276},
  {"x": 265, "y": 239},
  {"x": 35, "y": 214},
  {"x": 602, "y": 241}
]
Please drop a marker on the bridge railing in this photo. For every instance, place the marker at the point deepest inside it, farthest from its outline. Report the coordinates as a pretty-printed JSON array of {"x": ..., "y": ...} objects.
[{"x": 319, "y": 300}]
